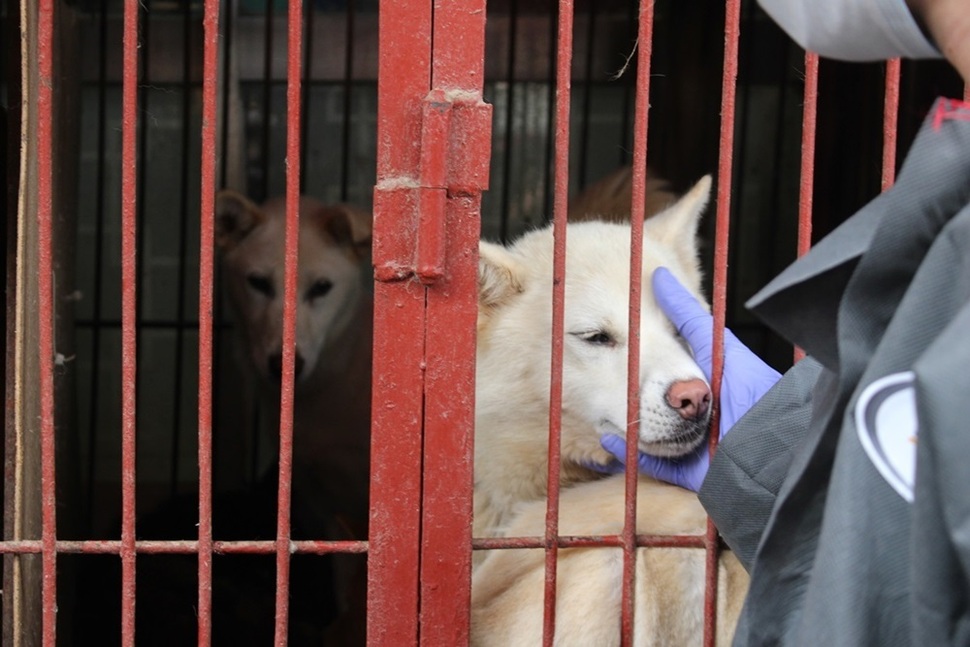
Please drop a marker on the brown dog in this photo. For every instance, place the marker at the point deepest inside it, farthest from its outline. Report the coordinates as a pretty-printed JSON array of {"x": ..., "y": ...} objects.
[{"x": 334, "y": 347}]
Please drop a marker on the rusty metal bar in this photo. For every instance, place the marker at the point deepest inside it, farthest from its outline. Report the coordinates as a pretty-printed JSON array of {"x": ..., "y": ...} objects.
[
  {"x": 210, "y": 76},
  {"x": 293, "y": 110},
  {"x": 184, "y": 546},
  {"x": 606, "y": 541},
  {"x": 45, "y": 304},
  {"x": 640, "y": 131},
  {"x": 399, "y": 312},
  {"x": 732, "y": 32},
  {"x": 806, "y": 185},
  {"x": 129, "y": 351},
  {"x": 312, "y": 547},
  {"x": 564, "y": 54},
  {"x": 807, "y": 181},
  {"x": 447, "y": 235},
  {"x": 890, "y": 119}
]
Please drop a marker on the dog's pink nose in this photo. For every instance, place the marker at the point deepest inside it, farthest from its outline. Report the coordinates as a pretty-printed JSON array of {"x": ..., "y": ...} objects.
[{"x": 690, "y": 398}]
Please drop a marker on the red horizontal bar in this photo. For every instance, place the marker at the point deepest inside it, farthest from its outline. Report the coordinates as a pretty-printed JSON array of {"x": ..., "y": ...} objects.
[
  {"x": 186, "y": 546},
  {"x": 591, "y": 541}
]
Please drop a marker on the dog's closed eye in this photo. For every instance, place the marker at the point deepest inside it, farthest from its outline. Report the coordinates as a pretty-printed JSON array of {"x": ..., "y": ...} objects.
[
  {"x": 596, "y": 337},
  {"x": 318, "y": 289},
  {"x": 261, "y": 284}
]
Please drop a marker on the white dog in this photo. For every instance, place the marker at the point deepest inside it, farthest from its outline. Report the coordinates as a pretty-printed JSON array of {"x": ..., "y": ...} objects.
[
  {"x": 514, "y": 332},
  {"x": 331, "y": 432},
  {"x": 512, "y": 422}
]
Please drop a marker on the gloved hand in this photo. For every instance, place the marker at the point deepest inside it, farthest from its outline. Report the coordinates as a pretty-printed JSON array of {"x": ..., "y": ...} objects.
[{"x": 745, "y": 379}]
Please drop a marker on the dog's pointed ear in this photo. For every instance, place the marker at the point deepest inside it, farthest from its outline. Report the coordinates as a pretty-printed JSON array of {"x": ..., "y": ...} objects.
[
  {"x": 499, "y": 276},
  {"x": 677, "y": 225},
  {"x": 349, "y": 226},
  {"x": 236, "y": 216}
]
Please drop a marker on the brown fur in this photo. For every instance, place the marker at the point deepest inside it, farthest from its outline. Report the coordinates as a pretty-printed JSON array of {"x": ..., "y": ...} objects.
[{"x": 610, "y": 198}]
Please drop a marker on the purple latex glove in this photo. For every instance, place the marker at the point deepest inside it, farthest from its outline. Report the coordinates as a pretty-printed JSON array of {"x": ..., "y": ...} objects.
[{"x": 745, "y": 379}]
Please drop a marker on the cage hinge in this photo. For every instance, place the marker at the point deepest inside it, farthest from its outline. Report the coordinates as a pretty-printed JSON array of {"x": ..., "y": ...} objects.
[{"x": 454, "y": 162}]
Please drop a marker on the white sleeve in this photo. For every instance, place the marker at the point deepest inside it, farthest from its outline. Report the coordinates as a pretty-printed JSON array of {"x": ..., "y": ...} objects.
[{"x": 852, "y": 30}]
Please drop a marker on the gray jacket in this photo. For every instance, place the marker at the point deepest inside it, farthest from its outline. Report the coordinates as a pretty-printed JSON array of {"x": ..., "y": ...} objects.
[{"x": 854, "y": 531}]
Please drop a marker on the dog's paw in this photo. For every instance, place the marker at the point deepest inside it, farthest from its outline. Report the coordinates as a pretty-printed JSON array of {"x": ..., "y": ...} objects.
[{"x": 600, "y": 461}]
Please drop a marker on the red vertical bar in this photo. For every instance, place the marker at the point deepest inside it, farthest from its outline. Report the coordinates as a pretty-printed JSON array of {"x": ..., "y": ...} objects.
[
  {"x": 399, "y": 315},
  {"x": 129, "y": 149},
  {"x": 640, "y": 129},
  {"x": 45, "y": 298},
  {"x": 890, "y": 117},
  {"x": 807, "y": 181},
  {"x": 807, "y": 178},
  {"x": 293, "y": 82},
  {"x": 452, "y": 314},
  {"x": 210, "y": 75},
  {"x": 732, "y": 31},
  {"x": 564, "y": 56}
]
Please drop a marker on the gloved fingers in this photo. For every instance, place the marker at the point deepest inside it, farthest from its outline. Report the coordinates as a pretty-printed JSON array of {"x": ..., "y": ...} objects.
[
  {"x": 692, "y": 321},
  {"x": 661, "y": 469},
  {"x": 687, "y": 472},
  {"x": 614, "y": 445},
  {"x": 645, "y": 463}
]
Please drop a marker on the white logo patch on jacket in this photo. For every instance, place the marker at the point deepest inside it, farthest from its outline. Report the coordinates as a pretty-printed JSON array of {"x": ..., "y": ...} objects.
[{"x": 887, "y": 424}]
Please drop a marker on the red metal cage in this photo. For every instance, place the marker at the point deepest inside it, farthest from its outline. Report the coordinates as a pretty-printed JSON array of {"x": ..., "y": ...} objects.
[{"x": 433, "y": 155}]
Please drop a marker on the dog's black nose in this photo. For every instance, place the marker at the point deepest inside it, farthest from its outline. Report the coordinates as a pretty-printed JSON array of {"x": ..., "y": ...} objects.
[
  {"x": 690, "y": 398},
  {"x": 276, "y": 366}
]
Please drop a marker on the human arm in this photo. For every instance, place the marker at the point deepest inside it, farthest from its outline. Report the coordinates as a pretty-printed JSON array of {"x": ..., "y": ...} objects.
[
  {"x": 948, "y": 24},
  {"x": 853, "y": 30},
  {"x": 753, "y": 461}
]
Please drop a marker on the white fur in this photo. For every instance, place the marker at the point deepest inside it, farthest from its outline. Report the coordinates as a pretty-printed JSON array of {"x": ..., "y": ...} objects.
[
  {"x": 514, "y": 351},
  {"x": 507, "y": 588},
  {"x": 512, "y": 422}
]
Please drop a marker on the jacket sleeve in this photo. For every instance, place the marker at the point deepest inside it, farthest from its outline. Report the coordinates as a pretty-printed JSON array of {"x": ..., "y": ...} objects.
[
  {"x": 752, "y": 460},
  {"x": 941, "y": 507},
  {"x": 860, "y": 30}
]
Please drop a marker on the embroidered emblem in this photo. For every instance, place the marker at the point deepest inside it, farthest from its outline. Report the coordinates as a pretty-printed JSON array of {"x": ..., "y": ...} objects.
[
  {"x": 950, "y": 109},
  {"x": 885, "y": 418}
]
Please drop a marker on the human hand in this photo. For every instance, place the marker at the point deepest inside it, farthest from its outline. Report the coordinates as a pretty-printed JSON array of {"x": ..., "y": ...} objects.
[
  {"x": 745, "y": 378},
  {"x": 947, "y": 22},
  {"x": 687, "y": 471}
]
